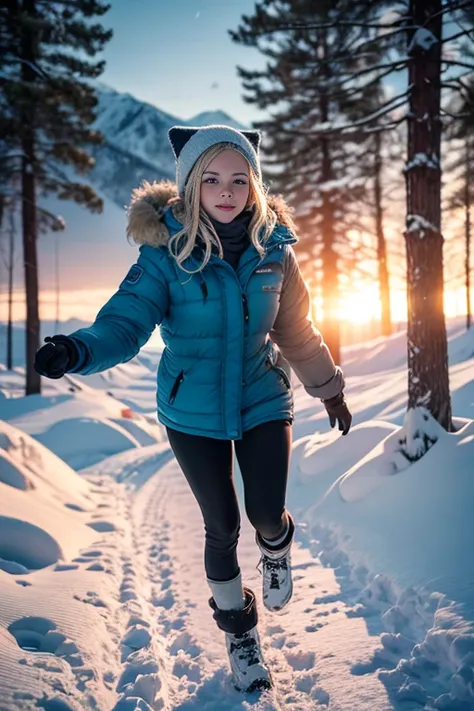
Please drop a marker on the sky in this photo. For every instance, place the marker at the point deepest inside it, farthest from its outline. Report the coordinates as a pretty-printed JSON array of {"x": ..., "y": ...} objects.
[{"x": 178, "y": 55}]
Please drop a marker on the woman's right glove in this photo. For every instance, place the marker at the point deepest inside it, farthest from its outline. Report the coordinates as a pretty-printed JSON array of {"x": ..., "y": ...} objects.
[
  {"x": 57, "y": 357},
  {"x": 338, "y": 411}
]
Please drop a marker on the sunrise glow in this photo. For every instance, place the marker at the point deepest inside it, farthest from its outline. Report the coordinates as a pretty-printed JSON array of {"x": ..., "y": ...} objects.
[
  {"x": 362, "y": 305},
  {"x": 359, "y": 306}
]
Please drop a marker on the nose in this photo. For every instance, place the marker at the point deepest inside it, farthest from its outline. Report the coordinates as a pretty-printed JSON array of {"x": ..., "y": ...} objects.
[{"x": 226, "y": 192}]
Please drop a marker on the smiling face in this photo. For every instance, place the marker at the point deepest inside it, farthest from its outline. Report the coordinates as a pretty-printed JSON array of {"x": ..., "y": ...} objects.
[{"x": 225, "y": 186}]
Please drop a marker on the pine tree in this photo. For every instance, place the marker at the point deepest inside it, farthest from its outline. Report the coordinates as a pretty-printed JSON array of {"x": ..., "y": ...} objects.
[
  {"x": 49, "y": 106},
  {"x": 315, "y": 97},
  {"x": 383, "y": 275},
  {"x": 459, "y": 121},
  {"x": 408, "y": 36},
  {"x": 428, "y": 382}
]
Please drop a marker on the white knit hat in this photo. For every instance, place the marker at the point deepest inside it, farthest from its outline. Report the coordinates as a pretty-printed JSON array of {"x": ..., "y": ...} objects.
[{"x": 189, "y": 143}]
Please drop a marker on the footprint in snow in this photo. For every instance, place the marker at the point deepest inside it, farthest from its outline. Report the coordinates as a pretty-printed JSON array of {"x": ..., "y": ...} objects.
[
  {"x": 301, "y": 660},
  {"x": 39, "y": 636},
  {"x": 91, "y": 598},
  {"x": 166, "y": 600},
  {"x": 102, "y": 526},
  {"x": 278, "y": 642},
  {"x": 96, "y": 567},
  {"x": 127, "y": 593},
  {"x": 183, "y": 667},
  {"x": 326, "y": 598},
  {"x": 56, "y": 703},
  {"x": 183, "y": 642},
  {"x": 314, "y": 628},
  {"x": 276, "y": 629}
]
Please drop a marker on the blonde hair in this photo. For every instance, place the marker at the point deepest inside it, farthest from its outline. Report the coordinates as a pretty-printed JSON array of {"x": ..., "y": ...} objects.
[{"x": 197, "y": 222}]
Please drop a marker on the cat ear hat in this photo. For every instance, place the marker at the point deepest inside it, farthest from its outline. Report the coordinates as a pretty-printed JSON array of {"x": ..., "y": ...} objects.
[{"x": 189, "y": 143}]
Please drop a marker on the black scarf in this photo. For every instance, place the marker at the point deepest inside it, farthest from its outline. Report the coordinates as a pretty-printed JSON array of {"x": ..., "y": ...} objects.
[{"x": 234, "y": 236}]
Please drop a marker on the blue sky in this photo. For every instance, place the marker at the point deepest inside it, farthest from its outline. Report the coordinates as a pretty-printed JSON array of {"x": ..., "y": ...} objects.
[{"x": 177, "y": 54}]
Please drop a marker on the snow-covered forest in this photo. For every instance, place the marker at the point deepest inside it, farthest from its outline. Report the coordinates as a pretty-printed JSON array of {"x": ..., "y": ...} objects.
[{"x": 367, "y": 116}]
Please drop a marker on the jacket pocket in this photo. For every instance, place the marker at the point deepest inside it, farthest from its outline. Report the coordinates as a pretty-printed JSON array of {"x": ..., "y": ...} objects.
[
  {"x": 176, "y": 387},
  {"x": 283, "y": 375}
]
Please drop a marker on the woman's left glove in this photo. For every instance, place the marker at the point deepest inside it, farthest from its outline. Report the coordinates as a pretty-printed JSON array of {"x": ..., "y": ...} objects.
[{"x": 338, "y": 411}]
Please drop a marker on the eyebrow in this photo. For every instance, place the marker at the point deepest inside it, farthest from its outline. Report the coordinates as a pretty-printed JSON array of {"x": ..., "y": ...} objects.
[{"x": 212, "y": 172}]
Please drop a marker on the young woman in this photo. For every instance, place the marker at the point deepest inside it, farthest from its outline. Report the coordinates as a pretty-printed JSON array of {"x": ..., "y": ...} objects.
[{"x": 218, "y": 274}]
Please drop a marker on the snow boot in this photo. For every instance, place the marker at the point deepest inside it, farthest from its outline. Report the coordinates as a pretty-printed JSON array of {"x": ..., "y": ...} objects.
[
  {"x": 277, "y": 583},
  {"x": 249, "y": 672}
]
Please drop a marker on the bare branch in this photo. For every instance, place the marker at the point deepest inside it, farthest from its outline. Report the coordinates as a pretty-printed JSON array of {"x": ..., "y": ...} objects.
[
  {"x": 453, "y": 63},
  {"x": 458, "y": 35},
  {"x": 36, "y": 68},
  {"x": 391, "y": 67},
  {"x": 387, "y": 108},
  {"x": 334, "y": 25},
  {"x": 448, "y": 8},
  {"x": 454, "y": 116}
]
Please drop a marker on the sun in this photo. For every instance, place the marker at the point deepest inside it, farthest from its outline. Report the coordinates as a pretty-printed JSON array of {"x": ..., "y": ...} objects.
[{"x": 360, "y": 305}]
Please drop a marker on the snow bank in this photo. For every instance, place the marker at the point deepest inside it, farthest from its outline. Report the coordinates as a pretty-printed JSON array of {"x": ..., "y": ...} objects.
[
  {"x": 401, "y": 533},
  {"x": 82, "y": 424}
]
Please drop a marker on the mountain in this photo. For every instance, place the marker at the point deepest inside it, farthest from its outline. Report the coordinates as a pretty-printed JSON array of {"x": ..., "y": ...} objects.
[
  {"x": 136, "y": 146},
  {"x": 93, "y": 251},
  {"x": 209, "y": 117}
]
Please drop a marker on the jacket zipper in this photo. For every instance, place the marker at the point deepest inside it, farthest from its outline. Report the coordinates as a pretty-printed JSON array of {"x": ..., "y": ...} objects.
[
  {"x": 175, "y": 388},
  {"x": 246, "y": 316},
  {"x": 246, "y": 308}
]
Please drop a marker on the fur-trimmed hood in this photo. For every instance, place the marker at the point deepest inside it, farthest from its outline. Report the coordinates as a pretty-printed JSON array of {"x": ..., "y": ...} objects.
[{"x": 146, "y": 210}]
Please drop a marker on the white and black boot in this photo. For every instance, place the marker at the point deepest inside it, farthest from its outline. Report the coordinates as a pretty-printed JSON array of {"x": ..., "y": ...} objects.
[
  {"x": 249, "y": 672},
  {"x": 275, "y": 566}
]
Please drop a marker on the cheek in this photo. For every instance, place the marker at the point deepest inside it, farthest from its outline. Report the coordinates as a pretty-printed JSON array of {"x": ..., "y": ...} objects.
[
  {"x": 243, "y": 194},
  {"x": 206, "y": 194}
]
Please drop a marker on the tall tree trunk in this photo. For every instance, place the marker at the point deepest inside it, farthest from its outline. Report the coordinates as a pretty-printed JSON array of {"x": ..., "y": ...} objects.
[
  {"x": 329, "y": 256},
  {"x": 30, "y": 229},
  {"x": 56, "y": 280},
  {"x": 329, "y": 266},
  {"x": 428, "y": 375},
  {"x": 2, "y": 209},
  {"x": 467, "y": 226},
  {"x": 384, "y": 283},
  {"x": 11, "y": 264}
]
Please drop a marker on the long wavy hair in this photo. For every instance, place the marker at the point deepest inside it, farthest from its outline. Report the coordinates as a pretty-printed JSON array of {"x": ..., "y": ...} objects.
[{"x": 196, "y": 221}]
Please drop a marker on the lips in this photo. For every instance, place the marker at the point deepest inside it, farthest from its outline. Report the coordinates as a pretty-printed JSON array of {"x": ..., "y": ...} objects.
[{"x": 226, "y": 208}]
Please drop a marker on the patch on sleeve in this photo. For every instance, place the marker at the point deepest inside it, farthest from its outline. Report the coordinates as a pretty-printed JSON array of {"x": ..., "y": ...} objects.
[{"x": 134, "y": 275}]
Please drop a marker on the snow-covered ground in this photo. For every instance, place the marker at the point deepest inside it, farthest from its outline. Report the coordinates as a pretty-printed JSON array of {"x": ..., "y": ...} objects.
[{"x": 103, "y": 601}]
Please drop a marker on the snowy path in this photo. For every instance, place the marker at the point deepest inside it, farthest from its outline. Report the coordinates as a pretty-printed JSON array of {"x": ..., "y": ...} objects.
[
  {"x": 311, "y": 646},
  {"x": 103, "y": 599}
]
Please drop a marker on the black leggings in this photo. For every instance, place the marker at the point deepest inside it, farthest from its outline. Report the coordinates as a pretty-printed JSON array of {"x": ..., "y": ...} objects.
[{"x": 263, "y": 455}]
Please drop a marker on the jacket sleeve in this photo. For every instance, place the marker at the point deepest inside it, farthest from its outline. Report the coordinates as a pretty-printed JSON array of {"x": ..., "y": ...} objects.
[
  {"x": 299, "y": 341},
  {"x": 125, "y": 323}
]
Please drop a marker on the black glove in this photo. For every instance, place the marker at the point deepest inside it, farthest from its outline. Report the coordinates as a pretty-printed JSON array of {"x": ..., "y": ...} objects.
[
  {"x": 337, "y": 410},
  {"x": 57, "y": 357}
]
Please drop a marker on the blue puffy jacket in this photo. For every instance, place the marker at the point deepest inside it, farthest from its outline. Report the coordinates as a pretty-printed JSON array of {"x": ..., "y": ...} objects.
[{"x": 221, "y": 371}]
